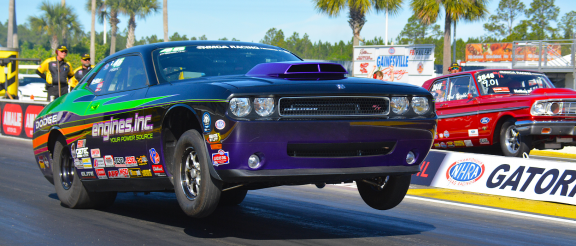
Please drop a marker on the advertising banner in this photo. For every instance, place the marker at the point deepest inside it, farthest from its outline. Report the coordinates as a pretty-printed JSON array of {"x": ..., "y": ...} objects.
[
  {"x": 412, "y": 64},
  {"x": 17, "y": 117},
  {"x": 552, "y": 181},
  {"x": 502, "y": 52}
]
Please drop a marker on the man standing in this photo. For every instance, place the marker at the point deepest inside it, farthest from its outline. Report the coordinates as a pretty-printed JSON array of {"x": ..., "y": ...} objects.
[
  {"x": 56, "y": 71},
  {"x": 80, "y": 71}
]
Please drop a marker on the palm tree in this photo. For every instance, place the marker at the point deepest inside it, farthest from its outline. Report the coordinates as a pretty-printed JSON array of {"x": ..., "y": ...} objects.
[
  {"x": 357, "y": 10},
  {"x": 54, "y": 20},
  {"x": 107, "y": 9},
  {"x": 133, "y": 8},
  {"x": 455, "y": 10},
  {"x": 165, "y": 15}
]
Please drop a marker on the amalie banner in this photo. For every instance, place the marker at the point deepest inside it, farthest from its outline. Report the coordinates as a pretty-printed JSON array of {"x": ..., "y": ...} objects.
[
  {"x": 17, "y": 117},
  {"x": 502, "y": 52}
]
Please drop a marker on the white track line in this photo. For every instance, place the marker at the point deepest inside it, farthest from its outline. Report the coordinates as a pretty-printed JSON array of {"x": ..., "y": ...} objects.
[{"x": 494, "y": 210}]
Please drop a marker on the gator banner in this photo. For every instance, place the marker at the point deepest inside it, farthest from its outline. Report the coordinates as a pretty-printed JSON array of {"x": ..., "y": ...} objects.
[
  {"x": 17, "y": 117},
  {"x": 552, "y": 181}
]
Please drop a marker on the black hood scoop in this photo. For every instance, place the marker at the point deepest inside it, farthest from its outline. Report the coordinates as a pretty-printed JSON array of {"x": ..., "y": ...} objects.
[{"x": 299, "y": 70}]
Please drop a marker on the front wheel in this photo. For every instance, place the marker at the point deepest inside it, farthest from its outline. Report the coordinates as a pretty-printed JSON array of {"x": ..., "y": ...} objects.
[
  {"x": 511, "y": 142},
  {"x": 385, "y": 192},
  {"x": 69, "y": 188},
  {"x": 196, "y": 191}
]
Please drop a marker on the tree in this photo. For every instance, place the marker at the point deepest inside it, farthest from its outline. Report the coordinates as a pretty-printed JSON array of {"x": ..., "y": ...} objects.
[
  {"x": 454, "y": 10},
  {"x": 568, "y": 24},
  {"x": 176, "y": 37},
  {"x": 165, "y": 19},
  {"x": 414, "y": 31},
  {"x": 502, "y": 22},
  {"x": 542, "y": 13},
  {"x": 54, "y": 19},
  {"x": 357, "y": 10},
  {"x": 133, "y": 8}
]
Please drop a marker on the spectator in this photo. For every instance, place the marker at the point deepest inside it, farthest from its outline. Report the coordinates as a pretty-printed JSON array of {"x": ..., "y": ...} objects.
[
  {"x": 56, "y": 71},
  {"x": 80, "y": 71}
]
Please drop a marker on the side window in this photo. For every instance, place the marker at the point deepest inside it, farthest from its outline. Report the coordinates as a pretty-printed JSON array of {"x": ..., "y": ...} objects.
[
  {"x": 459, "y": 88},
  {"x": 124, "y": 73},
  {"x": 438, "y": 90}
]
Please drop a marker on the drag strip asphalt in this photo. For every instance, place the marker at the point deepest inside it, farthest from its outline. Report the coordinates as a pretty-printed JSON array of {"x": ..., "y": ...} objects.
[{"x": 30, "y": 213}]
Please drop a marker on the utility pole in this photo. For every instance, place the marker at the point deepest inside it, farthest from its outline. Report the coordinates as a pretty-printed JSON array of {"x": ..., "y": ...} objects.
[
  {"x": 10, "y": 38},
  {"x": 454, "y": 48},
  {"x": 92, "y": 34}
]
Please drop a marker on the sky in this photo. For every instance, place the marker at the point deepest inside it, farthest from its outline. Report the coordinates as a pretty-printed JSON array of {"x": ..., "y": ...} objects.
[{"x": 249, "y": 20}]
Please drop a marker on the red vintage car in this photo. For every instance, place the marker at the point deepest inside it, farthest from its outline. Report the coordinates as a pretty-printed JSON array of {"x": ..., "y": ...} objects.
[{"x": 515, "y": 110}]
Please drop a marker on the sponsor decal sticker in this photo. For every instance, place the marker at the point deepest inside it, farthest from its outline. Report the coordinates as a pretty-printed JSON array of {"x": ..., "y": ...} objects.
[
  {"x": 87, "y": 174},
  {"x": 146, "y": 173},
  {"x": 220, "y": 158},
  {"x": 154, "y": 156},
  {"x": 131, "y": 161},
  {"x": 158, "y": 170},
  {"x": 484, "y": 141},
  {"x": 142, "y": 160},
  {"x": 101, "y": 173},
  {"x": 119, "y": 162},
  {"x": 437, "y": 145},
  {"x": 465, "y": 172},
  {"x": 459, "y": 143},
  {"x": 41, "y": 161},
  {"x": 87, "y": 163},
  {"x": 82, "y": 152},
  {"x": 135, "y": 173},
  {"x": 468, "y": 143},
  {"x": 81, "y": 143},
  {"x": 73, "y": 150},
  {"x": 220, "y": 124},
  {"x": 99, "y": 162},
  {"x": 78, "y": 164},
  {"x": 123, "y": 173},
  {"x": 206, "y": 121},
  {"x": 446, "y": 134},
  {"x": 501, "y": 89},
  {"x": 109, "y": 160},
  {"x": 435, "y": 136},
  {"x": 214, "y": 138},
  {"x": 485, "y": 120},
  {"x": 113, "y": 174},
  {"x": 450, "y": 144},
  {"x": 443, "y": 145},
  {"x": 95, "y": 153},
  {"x": 441, "y": 135},
  {"x": 473, "y": 132}
]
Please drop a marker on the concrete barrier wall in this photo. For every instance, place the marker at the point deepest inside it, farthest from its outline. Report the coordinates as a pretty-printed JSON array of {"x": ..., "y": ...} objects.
[
  {"x": 17, "y": 117},
  {"x": 553, "y": 181}
]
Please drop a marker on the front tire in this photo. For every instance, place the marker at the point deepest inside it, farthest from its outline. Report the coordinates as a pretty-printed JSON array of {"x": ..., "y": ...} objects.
[
  {"x": 69, "y": 187},
  {"x": 511, "y": 142},
  {"x": 384, "y": 193},
  {"x": 196, "y": 191}
]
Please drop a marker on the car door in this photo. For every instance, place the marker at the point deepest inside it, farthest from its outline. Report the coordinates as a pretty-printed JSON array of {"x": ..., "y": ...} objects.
[
  {"x": 120, "y": 127},
  {"x": 457, "y": 110}
]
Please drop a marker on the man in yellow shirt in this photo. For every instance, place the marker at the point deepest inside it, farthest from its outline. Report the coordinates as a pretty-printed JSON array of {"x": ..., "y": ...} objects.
[
  {"x": 56, "y": 71},
  {"x": 80, "y": 71}
]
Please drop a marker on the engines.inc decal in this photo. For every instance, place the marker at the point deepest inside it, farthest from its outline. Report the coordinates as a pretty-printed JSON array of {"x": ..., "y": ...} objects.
[
  {"x": 465, "y": 171},
  {"x": 121, "y": 126}
]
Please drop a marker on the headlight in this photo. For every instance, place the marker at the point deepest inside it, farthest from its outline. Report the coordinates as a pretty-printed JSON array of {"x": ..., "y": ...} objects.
[
  {"x": 264, "y": 106},
  {"x": 547, "y": 108},
  {"x": 420, "y": 105},
  {"x": 240, "y": 107},
  {"x": 399, "y": 105}
]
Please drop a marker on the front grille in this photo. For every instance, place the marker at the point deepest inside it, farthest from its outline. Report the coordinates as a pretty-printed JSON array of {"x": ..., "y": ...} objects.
[
  {"x": 334, "y": 106},
  {"x": 339, "y": 149},
  {"x": 569, "y": 108}
]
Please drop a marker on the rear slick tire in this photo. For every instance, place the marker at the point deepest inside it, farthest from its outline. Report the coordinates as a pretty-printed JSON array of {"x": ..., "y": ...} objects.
[
  {"x": 196, "y": 191},
  {"x": 388, "y": 194},
  {"x": 69, "y": 187},
  {"x": 511, "y": 142}
]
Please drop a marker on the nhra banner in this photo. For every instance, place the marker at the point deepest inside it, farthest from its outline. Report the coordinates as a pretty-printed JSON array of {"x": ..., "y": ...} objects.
[
  {"x": 552, "y": 181},
  {"x": 17, "y": 117}
]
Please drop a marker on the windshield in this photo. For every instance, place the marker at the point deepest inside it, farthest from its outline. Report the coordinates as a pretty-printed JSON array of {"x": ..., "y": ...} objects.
[
  {"x": 510, "y": 82},
  {"x": 29, "y": 80},
  {"x": 186, "y": 62}
]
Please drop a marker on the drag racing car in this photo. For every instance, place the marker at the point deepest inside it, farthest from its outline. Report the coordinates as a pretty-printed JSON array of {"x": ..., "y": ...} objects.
[
  {"x": 212, "y": 120},
  {"x": 513, "y": 110}
]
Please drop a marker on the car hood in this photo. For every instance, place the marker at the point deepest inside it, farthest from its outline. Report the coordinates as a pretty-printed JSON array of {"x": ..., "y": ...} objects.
[{"x": 259, "y": 85}]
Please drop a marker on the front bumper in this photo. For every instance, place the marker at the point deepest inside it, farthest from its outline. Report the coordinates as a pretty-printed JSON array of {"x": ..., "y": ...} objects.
[
  {"x": 557, "y": 128},
  {"x": 270, "y": 140}
]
